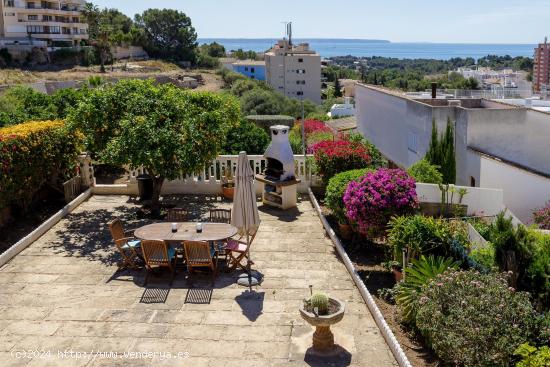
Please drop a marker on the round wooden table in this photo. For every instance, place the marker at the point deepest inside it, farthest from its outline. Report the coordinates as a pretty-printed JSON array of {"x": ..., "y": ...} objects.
[{"x": 187, "y": 231}]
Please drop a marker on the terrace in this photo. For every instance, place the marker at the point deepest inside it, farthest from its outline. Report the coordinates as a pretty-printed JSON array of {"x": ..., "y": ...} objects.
[{"x": 64, "y": 293}]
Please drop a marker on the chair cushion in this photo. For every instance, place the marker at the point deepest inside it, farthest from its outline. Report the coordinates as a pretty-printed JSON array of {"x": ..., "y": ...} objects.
[
  {"x": 171, "y": 253},
  {"x": 132, "y": 244},
  {"x": 236, "y": 246},
  {"x": 213, "y": 249}
]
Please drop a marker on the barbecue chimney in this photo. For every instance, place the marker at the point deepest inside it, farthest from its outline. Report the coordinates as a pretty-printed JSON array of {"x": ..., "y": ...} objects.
[{"x": 280, "y": 159}]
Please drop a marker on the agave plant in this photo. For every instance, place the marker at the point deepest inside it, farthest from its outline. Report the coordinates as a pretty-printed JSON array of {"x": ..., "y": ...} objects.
[{"x": 416, "y": 276}]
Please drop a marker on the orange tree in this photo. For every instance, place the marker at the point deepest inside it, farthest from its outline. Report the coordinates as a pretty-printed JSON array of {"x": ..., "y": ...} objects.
[{"x": 166, "y": 130}]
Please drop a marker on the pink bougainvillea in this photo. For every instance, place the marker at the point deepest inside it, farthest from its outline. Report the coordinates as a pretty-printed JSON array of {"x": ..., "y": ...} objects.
[
  {"x": 372, "y": 200},
  {"x": 542, "y": 217}
]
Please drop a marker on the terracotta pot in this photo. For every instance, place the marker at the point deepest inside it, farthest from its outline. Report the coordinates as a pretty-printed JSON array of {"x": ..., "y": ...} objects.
[
  {"x": 346, "y": 231},
  {"x": 398, "y": 274},
  {"x": 228, "y": 191},
  {"x": 323, "y": 339}
]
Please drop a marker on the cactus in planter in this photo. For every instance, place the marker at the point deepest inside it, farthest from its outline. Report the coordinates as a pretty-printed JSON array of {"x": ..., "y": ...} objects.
[{"x": 320, "y": 301}]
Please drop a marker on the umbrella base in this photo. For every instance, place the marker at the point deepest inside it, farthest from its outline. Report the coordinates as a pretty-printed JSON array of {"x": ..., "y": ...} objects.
[{"x": 246, "y": 280}]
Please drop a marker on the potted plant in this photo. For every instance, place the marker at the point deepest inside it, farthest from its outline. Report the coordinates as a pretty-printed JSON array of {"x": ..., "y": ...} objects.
[
  {"x": 228, "y": 185},
  {"x": 396, "y": 268},
  {"x": 322, "y": 311}
]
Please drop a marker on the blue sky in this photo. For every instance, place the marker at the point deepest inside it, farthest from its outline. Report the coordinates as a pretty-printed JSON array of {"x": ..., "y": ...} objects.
[{"x": 468, "y": 21}]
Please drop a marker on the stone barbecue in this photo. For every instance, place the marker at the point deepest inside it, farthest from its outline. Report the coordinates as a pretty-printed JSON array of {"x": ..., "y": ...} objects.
[{"x": 279, "y": 183}]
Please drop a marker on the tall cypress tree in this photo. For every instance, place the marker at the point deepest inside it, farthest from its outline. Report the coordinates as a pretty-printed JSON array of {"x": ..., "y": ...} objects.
[
  {"x": 449, "y": 160},
  {"x": 441, "y": 152},
  {"x": 433, "y": 155}
]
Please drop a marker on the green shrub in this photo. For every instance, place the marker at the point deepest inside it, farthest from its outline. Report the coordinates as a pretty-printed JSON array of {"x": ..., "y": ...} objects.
[
  {"x": 526, "y": 252},
  {"x": 424, "y": 235},
  {"x": 377, "y": 159},
  {"x": 34, "y": 154},
  {"x": 320, "y": 116},
  {"x": 417, "y": 275},
  {"x": 295, "y": 143},
  {"x": 425, "y": 172},
  {"x": 472, "y": 319},
  {"x": 246, "y": 137},
  {"x": 484, "y": 256},
  {"x": 20, "y": 104},
  {"x": 337, "y": 187},
  {"x": 533, "y": 356},
  {"x": 265, "y": 121}
]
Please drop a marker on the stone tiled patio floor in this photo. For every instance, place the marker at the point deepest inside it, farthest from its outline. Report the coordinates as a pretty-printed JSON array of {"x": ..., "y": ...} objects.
[{"x": 63, "y": 293}]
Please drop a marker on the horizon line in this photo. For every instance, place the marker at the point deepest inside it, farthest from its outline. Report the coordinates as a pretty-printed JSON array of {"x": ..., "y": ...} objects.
[{"x": 368, "y": 39}]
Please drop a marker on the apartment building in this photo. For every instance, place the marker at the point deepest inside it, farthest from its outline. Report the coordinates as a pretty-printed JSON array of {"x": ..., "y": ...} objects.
[
  {"x": 253, "y": 69},
  {"x": 541, "y": 67},
  {"x": 498, "y": 145},
  {"x": 52, "y": 22},
  {"x": 294, "y": 70}
]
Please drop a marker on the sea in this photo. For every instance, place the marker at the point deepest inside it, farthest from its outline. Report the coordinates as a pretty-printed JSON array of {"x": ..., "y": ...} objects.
[{"x": 400, "y": 50}]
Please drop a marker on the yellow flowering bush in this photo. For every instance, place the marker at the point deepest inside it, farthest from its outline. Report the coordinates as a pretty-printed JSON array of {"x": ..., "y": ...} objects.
[{"x": 33, "y": 154}]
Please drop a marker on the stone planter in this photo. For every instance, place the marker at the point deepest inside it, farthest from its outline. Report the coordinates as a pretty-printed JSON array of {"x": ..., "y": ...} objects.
[
  {"x": 323, "y": 339},
  {"x": 228, "y": 191},
  {"x": 346, "y": 231}
]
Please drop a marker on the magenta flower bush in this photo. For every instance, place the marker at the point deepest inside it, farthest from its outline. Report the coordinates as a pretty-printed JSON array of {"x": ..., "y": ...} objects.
[
  {"x": 372, "y": 200},
  {"x": 542, "y": 217}
]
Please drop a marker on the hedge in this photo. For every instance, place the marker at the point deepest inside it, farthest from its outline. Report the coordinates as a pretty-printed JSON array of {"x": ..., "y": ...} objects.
[
  {"x": 266, "y": 121},
  {"x": 33, "y": 154}
]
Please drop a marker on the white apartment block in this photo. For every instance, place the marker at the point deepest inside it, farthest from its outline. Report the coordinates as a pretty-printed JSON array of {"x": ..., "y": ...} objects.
[
  {"x": 48, "y": 22},
  {"x": 501, "y": 145},
  {"x": 294, "y": 70}
]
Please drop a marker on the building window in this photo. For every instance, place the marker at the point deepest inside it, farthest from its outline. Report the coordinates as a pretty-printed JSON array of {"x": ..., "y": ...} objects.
[
  {"x": 472, "y": 181},
  {"x": 33, "y": 17},
  {"x": 34, "y": 29},
  {"x": 300, "y": 60},
  {"x": 76, "y": 20},
  {"x": 30, "y": 5},
  {"x": 246, "y": 68},
  {"x": 10, "y": 3},
  {"x": 252, "y": 70},
  {"x": 300, "y": 93}
]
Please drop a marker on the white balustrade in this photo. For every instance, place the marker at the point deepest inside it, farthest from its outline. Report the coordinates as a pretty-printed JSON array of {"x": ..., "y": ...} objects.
[{"x": 208, "y": 181}]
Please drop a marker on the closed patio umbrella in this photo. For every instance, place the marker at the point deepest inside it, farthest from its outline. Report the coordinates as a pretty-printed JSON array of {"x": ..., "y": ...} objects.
[{"x": 245, "y": 214}]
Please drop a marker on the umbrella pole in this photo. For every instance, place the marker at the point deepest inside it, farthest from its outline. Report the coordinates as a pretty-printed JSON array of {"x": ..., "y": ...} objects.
[{"x": 248, "y": 261}]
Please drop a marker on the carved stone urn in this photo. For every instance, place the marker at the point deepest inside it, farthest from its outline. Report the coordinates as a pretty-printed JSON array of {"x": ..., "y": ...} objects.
[{"x": 323, "y": 338}]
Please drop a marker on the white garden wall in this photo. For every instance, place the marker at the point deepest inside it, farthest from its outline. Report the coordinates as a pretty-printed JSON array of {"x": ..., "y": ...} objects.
[
  {"x": 480, "y": 201},
  {"x": 523, "y": 190}
]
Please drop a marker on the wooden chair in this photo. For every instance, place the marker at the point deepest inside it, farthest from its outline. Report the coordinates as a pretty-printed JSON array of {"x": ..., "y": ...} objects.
[
  {"x": 176, "y": 215},
  {"x": 237, "y": 250},
  {"x": 128, "y": 246},
  {"x": 199, "y": 254},
  {"x": 158, "y": 254},
  {"x": 220, "y": 216}
]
